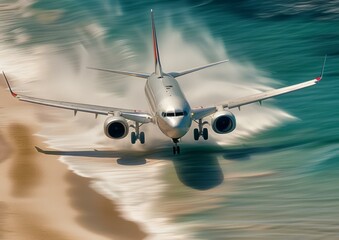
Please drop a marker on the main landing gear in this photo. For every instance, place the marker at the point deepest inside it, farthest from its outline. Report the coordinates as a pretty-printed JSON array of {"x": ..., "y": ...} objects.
[
  {"x": 200, "y": 131},
  {"x": 176, "y": 148},
  {"x": 137, "y": 135}
]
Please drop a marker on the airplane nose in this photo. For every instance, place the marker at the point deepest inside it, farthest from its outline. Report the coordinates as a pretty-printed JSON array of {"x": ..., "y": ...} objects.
[{"x": 179, "y": 127}]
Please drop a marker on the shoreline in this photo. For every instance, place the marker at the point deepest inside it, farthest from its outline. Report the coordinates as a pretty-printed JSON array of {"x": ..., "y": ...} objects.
[{"x": 40, "y": 197}]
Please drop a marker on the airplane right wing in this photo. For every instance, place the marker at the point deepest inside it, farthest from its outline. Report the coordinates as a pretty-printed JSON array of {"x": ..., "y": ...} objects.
[{"x": 130, "y": 114}]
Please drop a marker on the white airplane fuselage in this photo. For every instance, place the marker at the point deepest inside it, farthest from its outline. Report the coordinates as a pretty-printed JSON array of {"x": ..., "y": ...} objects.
[{"x": 168, "y": 104}]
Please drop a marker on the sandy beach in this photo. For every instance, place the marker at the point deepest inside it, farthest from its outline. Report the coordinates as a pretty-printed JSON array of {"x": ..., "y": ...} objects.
[{"x": 39, "y": 197}]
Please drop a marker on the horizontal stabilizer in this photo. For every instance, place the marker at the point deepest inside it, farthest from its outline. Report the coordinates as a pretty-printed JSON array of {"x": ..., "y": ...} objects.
[
  {"x": 178, "y": 74},
  {"x": 133, "y": 74}
]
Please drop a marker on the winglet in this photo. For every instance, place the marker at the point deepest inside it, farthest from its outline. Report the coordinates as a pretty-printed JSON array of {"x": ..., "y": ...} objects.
[
  {"x": 158, "y": 69},
  {"x": 322, "y": 70},
  {"x": 39, "y": 149},
  {"x": 9, "y": 86}
]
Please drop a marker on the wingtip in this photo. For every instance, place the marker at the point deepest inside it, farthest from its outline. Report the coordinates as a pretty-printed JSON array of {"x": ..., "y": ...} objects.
[
  {"x": 9, "y": 86},
  {"x": 322, "y": 70},
  {"x": 38, "y": 149}
]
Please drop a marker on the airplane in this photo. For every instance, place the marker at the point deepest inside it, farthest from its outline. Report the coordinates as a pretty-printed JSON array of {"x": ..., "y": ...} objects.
[{"x": 168, "y": 106}]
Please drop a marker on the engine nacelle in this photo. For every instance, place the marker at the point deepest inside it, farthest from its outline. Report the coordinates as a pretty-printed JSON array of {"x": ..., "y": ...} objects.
[
  {"x": 116, "y": 127},
  {"x": 223, "y": 122}
]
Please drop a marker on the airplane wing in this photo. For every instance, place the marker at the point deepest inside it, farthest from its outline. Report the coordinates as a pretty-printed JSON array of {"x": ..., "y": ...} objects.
[
  {"x": 238, "y": 102},
  {"x": 201, "y": 112},
  {"x": 130, "y": 114}
]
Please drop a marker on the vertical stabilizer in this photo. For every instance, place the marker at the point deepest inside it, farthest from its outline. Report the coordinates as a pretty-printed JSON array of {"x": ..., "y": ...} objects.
[{"x": 158, "y": 69}]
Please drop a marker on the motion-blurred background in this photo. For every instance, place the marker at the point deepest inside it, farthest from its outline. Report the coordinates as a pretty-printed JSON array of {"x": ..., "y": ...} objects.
[{"x": 274, "y": 177}]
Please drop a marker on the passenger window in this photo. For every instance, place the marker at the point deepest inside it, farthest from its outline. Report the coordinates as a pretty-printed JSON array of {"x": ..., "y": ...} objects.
[{"x": 170, "y": 114}]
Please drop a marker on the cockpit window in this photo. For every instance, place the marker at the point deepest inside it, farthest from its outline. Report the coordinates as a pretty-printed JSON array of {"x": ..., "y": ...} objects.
[{"x": 174, "y": 114}]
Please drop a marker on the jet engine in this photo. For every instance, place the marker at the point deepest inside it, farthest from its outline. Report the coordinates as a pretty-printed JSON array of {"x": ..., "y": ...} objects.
[
  {"x": 223, "y": 122},
  {"x": 116, "y": 127}
]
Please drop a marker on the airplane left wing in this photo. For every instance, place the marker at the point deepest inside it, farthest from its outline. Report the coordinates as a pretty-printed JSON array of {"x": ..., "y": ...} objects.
[
  {"x": 238, "y": 102},
  {"x": 201, "y": 112},
  {"x": 129, "y": 114},
  {"x": 198, "y": 113}
]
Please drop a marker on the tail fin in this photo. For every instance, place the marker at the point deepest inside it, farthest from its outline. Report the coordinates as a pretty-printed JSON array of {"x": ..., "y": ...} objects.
[{"x": 158, "y": 69}]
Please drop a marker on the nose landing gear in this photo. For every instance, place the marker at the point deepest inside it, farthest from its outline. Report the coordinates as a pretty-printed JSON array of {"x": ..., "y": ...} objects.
[{"x": 176, "y": 148}]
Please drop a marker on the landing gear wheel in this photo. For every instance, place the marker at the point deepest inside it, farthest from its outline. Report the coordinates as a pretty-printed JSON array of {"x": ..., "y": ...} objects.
[
  {"x": 133, "y": 137},
  {"x": 137, "y": 135},
  {"x": 196, "y": 134},
  {"x": 142, "y": 137},
  {"x": 205, "y": 133},
  {"x": 200, "y": 131},
  {"x": 178, "y": 150}
]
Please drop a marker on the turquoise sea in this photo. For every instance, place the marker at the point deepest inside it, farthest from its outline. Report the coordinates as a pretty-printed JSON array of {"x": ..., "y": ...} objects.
[{"x": 275, "y": 177}]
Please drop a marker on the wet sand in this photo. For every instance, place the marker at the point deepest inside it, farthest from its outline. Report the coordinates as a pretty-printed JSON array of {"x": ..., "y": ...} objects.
[{"x": 39, "y": 197}]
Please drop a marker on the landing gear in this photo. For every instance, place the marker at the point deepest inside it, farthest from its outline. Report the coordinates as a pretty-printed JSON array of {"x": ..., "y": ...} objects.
[
  {"x": 133, "y": 137},
  {"x": 196, "y": 134},
  {"x": 200, "y": 131},
  {"x": 176, "y": 148},
  {"x": 205, "y": 133},
  {"x": 137, "y": 135},
  {"x": 142, "y": 137}
]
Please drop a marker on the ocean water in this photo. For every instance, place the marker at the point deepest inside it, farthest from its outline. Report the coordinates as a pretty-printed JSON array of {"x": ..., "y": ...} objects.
[{"x": 275, "y": 177}]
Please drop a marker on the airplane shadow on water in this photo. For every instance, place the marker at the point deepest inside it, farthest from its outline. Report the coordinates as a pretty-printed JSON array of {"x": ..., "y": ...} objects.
[
  {"x": 197, "y": 167},
  {"x": 199, "y": 170}
]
